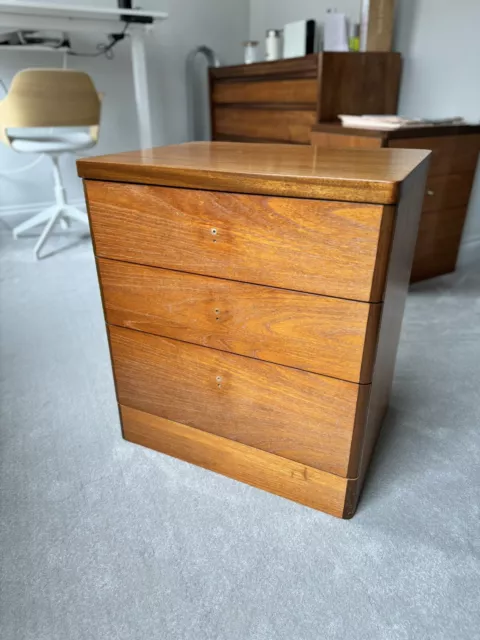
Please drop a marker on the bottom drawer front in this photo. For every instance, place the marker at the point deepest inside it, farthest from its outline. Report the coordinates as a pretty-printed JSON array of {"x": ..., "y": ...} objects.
[{"x": 298, "y": 415}]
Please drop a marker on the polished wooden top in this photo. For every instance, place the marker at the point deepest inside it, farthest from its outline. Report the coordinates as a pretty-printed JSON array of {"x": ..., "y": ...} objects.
[
  {"x": 422, "y": 131},
  {"x": 355, "y": 175},
  {"x": 303, "y": 67}
]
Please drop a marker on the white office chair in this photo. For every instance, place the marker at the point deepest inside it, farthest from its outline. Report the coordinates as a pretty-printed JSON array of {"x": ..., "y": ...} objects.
[{"x": 50, "y": 98}]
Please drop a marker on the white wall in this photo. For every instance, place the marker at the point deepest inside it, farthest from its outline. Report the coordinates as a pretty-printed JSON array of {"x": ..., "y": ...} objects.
[
  {"x": 441, "y": 78},
  {"x": 274, "y": 14},
  {"x": 440, "y": 45},
  {"x": 221, "y": 24}
]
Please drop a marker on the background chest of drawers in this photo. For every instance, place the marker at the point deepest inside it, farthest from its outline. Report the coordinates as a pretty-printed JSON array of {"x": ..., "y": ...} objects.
[
  {"x": 253, "y": 296},
  {"x": 455, "y": 152},
  {"x": 280, "y": 101}
]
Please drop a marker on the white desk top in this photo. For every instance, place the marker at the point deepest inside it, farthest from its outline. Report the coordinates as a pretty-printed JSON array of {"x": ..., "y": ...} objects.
[{"x": 44, "y": 15}]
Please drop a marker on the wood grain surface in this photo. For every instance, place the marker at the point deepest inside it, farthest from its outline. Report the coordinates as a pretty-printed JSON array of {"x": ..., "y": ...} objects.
[
  {"x": 292, "y": 125},
  {"x": 358, "y": 83},
  {"x": 328, "y": 248},
  {"x": 438, "y": 243},
  {"x": 328, "y": 140},
  {"x": 450, "y": 153},
  {"x": 301, "y": 416},
  {"x": 324, "y": 335},
  {"x": 303, "y": 171},
  {"x": 442, "y": 148},
  {"x": 303, "y": 91},
  {"x": 286, "y": 478},
  {"x": 293, "y": 68},
  {"x": 448, "y": 192},
  {"x": 454, "y": 159}
]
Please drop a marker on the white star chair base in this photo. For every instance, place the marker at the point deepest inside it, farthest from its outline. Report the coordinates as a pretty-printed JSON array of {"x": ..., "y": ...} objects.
[{"x": 51, "y": 98}]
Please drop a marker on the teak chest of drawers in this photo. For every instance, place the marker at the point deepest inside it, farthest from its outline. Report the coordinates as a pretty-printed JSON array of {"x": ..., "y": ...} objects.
[
  {"x": 253, "y": 296},
  {"x": 280, "y": 101}
]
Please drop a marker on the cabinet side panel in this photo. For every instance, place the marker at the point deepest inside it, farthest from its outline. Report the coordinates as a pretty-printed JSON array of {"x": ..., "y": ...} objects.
[
  {"x": 359, "y": 83},
  {"x": 401, "y": 258}
]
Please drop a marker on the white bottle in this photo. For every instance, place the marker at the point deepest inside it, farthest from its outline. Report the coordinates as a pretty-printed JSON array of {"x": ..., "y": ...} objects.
[{"x": 272, "y": 44}]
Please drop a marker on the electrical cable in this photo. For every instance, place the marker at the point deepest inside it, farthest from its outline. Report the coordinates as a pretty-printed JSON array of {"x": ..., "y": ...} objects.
[{"x": 102, "y": 48}]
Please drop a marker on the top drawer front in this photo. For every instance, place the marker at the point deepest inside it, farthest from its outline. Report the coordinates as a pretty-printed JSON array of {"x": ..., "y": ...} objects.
[{"x": 315, "y": 246}]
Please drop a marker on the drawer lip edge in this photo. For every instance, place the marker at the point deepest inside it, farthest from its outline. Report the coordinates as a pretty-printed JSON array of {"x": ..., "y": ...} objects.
[{"x": 351, "y": 191}]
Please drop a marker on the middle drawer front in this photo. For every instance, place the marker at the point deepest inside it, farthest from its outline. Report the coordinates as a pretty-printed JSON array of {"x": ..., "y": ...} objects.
[
  {"x": 329, "y": 336},
  {"x": 314, "y": 420},
  {"x": 331, "y": 248}
]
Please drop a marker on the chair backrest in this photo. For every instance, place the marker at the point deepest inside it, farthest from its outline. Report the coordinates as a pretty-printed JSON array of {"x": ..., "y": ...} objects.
[{"x": 50, "y": 98}]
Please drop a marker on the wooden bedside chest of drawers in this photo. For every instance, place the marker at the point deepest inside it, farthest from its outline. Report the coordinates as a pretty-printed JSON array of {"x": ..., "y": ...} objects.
[{"x": 253, "y": 296}]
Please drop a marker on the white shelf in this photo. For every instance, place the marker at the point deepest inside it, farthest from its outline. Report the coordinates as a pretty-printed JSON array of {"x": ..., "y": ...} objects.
[
  {"x": 33, "y": 47},
  {"x": 72, "y": 11},
  {"x": 39, "y": 16}
]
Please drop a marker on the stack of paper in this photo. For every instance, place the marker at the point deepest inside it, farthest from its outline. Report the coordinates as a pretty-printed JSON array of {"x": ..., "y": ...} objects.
[{"x": 388, "y": 123}]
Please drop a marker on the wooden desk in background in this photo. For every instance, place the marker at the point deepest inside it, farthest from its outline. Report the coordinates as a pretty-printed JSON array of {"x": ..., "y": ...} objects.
[
  {"x": 452, "y": 170},
  {"x": 254, "y": 296}
]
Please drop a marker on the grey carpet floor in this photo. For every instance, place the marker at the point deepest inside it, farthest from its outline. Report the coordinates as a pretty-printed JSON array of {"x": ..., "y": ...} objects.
[{"x": 102, "y": 539}]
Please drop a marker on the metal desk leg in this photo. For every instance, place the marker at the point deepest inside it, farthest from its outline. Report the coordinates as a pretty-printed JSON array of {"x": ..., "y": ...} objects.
[{"x": 140, "y": 81}]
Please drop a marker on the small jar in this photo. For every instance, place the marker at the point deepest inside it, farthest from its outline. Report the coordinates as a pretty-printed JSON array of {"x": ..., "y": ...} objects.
[
  {"x": 354, "y": 37},
  {"x": 250, "y": 48},
  {"x": 273, "y": 39}
]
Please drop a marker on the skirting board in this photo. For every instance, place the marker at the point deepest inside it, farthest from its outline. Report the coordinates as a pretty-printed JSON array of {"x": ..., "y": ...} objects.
[{"x": 15, "y": 214}]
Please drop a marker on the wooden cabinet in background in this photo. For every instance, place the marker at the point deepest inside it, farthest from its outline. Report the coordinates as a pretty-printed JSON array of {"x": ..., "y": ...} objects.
[
  {"x": 455, "y": 152},
  {"x": 280, "y": 101}
]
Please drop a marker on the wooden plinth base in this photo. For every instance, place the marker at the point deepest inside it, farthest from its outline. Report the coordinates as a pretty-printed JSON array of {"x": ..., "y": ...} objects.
[{"x": 311, "y": 487}]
